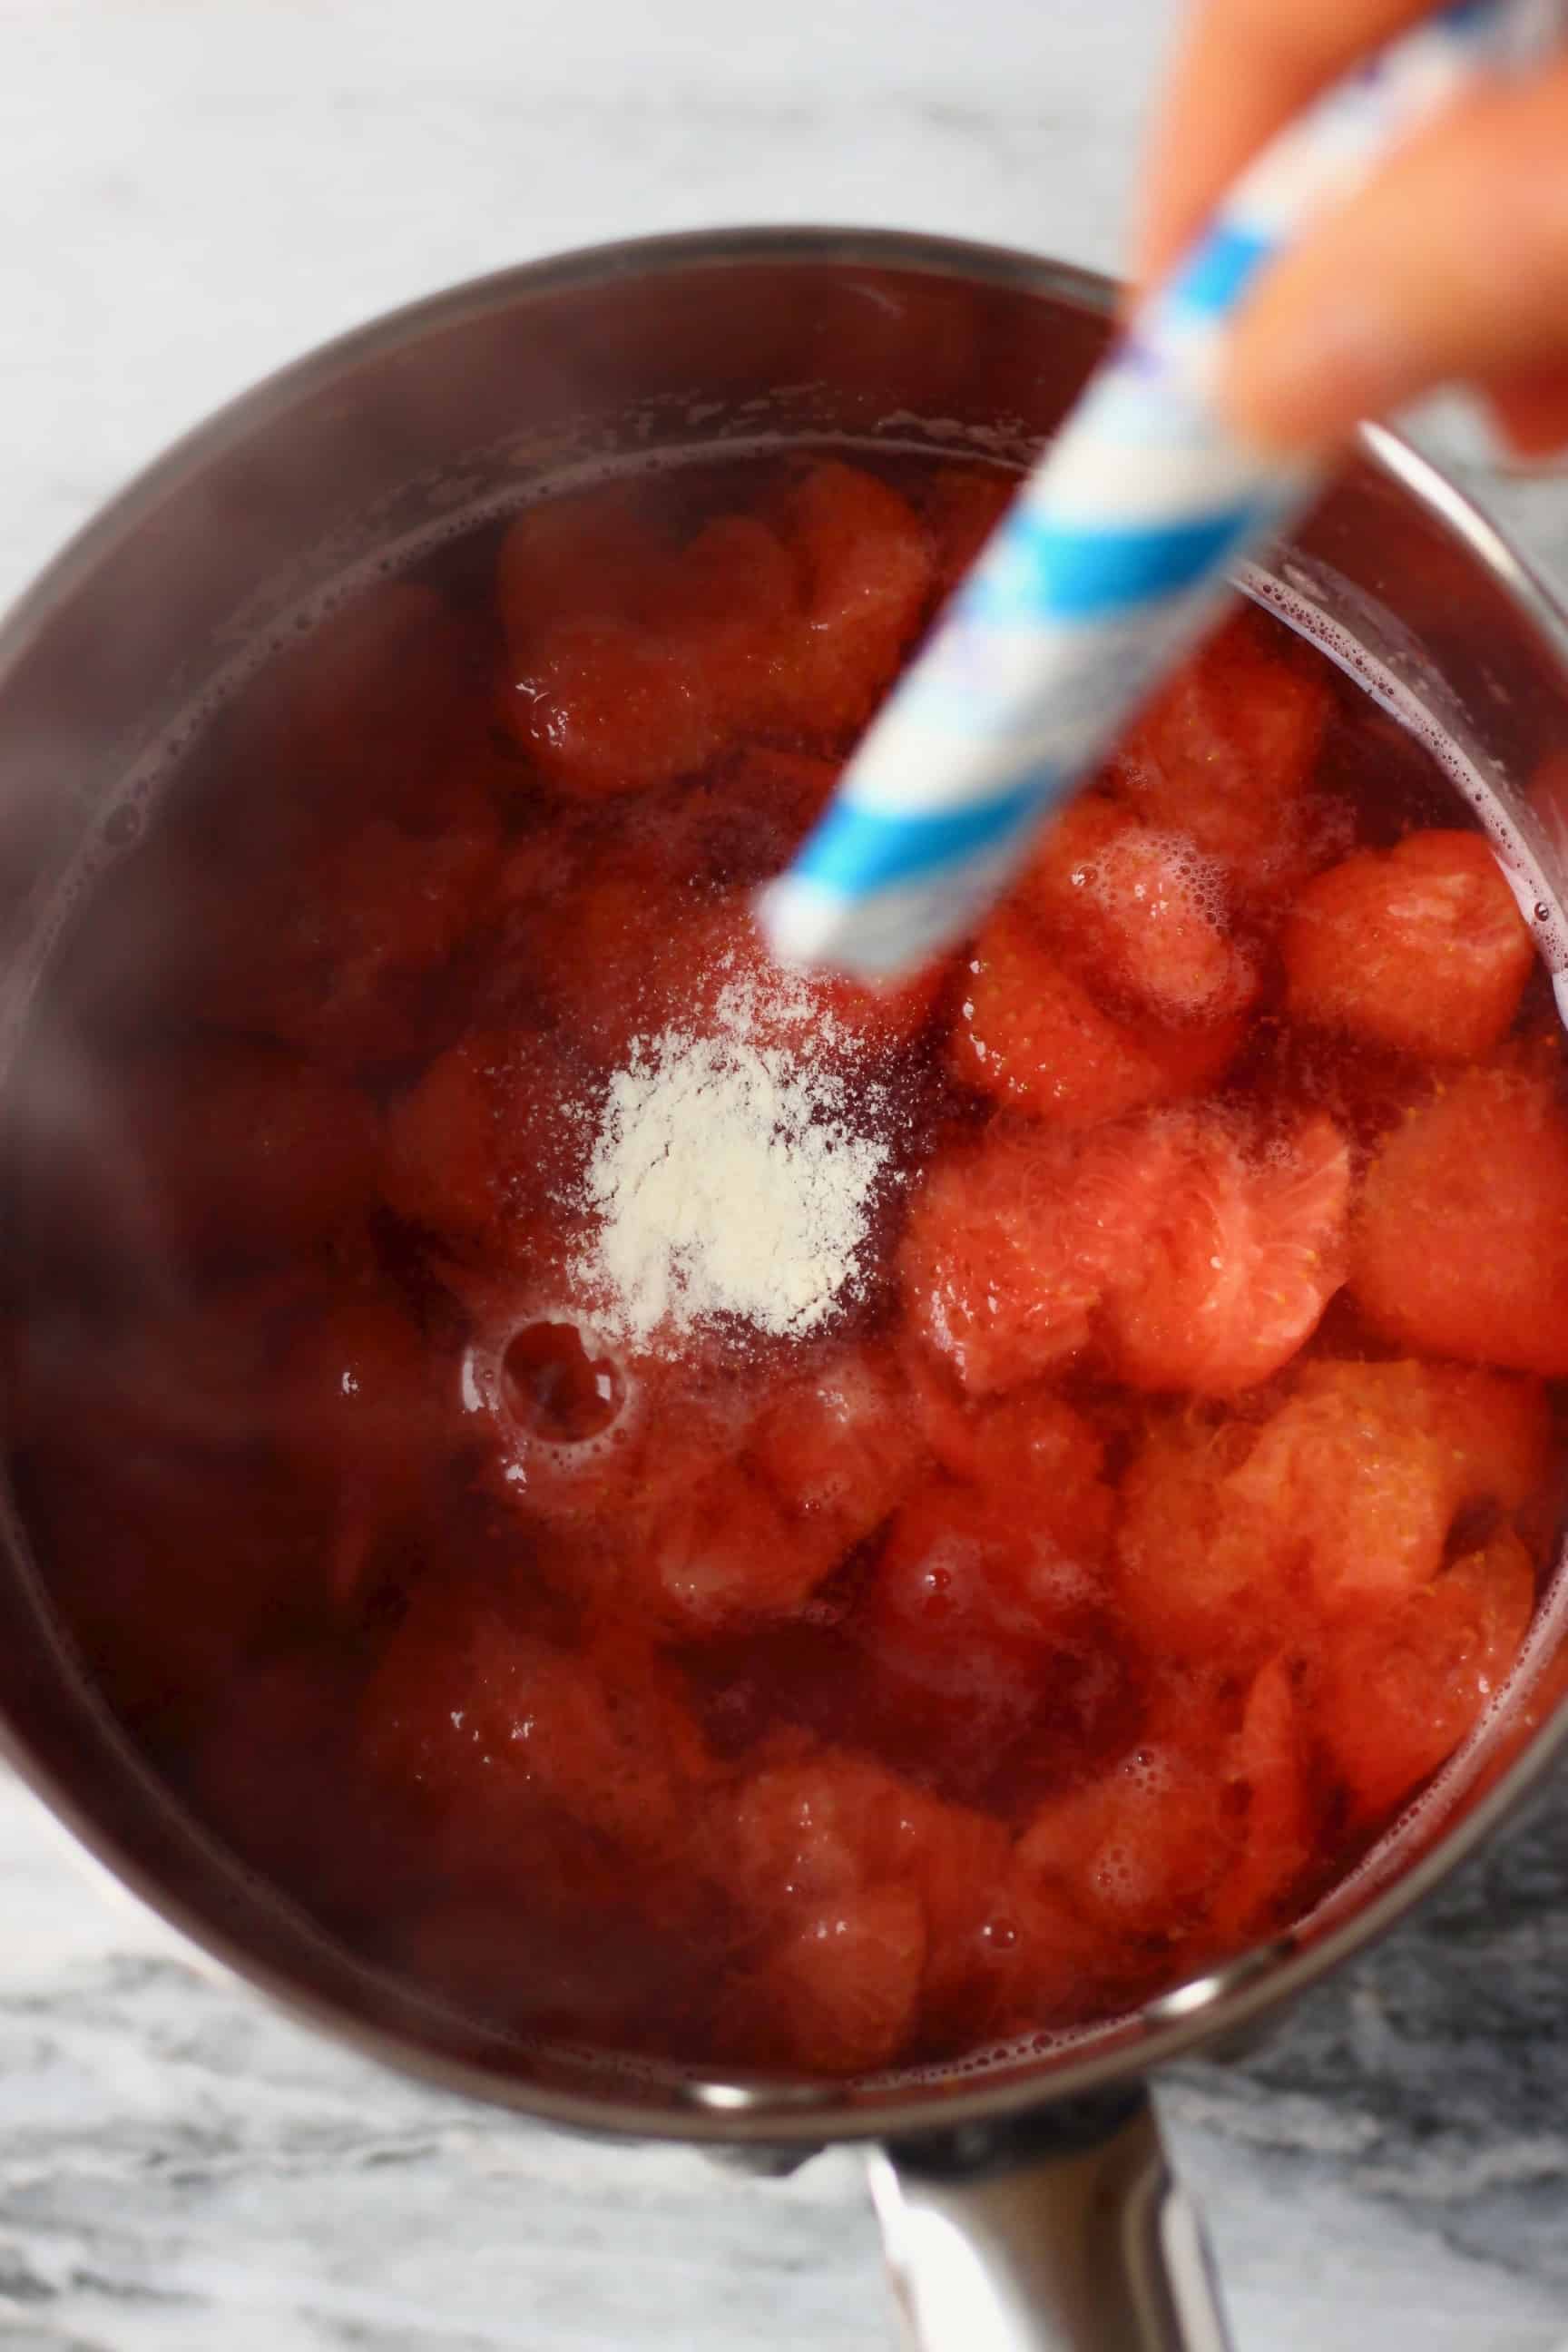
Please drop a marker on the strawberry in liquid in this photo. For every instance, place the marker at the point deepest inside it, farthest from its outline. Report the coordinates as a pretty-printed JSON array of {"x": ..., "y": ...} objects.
[{"x": 1091, "y": 1583}]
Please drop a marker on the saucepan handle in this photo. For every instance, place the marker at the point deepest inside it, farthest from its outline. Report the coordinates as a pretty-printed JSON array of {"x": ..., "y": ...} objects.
[{"x": 1060, "y": 2232}]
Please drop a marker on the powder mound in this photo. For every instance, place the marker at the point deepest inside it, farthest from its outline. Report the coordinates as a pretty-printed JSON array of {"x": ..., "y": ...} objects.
[{"x": 733, "y": 1171}]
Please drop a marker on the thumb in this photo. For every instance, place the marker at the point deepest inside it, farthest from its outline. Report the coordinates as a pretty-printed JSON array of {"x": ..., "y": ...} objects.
[{"x": 1452, "y": 266}]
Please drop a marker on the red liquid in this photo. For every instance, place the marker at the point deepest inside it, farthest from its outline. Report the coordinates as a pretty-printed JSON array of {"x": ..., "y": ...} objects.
[{"x": 1144, "y": 1523}]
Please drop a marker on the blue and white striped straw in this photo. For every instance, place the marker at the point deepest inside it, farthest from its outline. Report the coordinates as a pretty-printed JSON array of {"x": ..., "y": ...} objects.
[{"x": 1110, "y": 565}]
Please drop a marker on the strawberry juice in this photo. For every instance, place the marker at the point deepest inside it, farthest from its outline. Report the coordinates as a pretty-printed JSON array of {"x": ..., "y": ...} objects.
[{"x": 727, "y": 1516}]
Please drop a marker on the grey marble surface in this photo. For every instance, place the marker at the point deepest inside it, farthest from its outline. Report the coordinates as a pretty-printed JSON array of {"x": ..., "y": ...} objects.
[{"x": 192, "y": 190}]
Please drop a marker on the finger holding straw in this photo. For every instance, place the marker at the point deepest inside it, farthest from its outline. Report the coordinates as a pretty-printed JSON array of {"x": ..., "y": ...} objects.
[{"x": 1114, "y": 558}]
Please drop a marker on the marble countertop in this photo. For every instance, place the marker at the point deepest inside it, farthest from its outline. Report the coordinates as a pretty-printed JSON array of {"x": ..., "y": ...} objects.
[{"x": 191, "y": 191}]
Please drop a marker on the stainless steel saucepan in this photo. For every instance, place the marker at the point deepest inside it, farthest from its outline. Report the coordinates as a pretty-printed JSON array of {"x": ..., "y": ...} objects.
[{"x": 1025, "y": 2201}]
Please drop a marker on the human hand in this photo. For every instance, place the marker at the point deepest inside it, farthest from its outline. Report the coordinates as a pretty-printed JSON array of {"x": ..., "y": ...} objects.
[{"x": 1450, "y": 266}]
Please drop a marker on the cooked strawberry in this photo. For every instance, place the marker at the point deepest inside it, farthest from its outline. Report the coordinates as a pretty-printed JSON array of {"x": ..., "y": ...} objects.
[
  {"x": 972, "y": 1599},
  {"x": 970, "y": 1988},
  {"x": 864, "y": 576},
  {"x": 999, "y": 1277},
  {"x": 1200, "y": 1259},
  {"x": 618, "y": 684},
  {"x": 1409, "y": 1678},
  {"x": 617, "y": 952},
  {"x": 837, "y": 1995},
  {"x": 1459, "y": 1245},
  {"x": 1237, "y": 1536},
  {"x": 963, "y": 507},
  {"x": 1141, "y": 916},
  {"x": 721, "y": 954},
  {"x": 1057, "y": 1948},
  {"x": 1030, "y": 1448},
  {"x": 598, "y": 551},
  {"x": 1268, "y": 1767},
  {"x": 490, "y": 1140},
  {"x": 728, "y": 603},
  {"x": 1206, "y": 1568},
  {"x": 479, "y": 1720},
  {"x": 1372, "y": 1464},
  {"x": 1243, "y": 1249},
  {"x": 1420, "y": 946},
  {"x": 1225, "y": 755},
  {"x": 1030, "y": 1033},
  {"x": 817, "y": 1837},
  {"x": 606, "y": 706},
  {"x": 719, "y": 1549},
  {"x": 809, "y": 1823},
  {"x": 837, "y": 1445},
  {"x": 1139, "y": 1848}
]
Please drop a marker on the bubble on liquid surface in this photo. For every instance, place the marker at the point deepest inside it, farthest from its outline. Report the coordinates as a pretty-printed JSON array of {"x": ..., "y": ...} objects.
[{"x": 557, "y": 1389}]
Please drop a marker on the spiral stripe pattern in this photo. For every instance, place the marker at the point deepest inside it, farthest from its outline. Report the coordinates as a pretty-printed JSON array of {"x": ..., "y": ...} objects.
[{"x": 1114, "y": 559}]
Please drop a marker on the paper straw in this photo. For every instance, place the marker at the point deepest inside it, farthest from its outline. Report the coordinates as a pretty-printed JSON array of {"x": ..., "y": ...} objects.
[{"x": 1111, "y": 562}]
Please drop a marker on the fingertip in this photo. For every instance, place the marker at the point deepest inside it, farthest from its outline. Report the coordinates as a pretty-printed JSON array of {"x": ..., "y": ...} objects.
[{"x": 1302, "y": 372}]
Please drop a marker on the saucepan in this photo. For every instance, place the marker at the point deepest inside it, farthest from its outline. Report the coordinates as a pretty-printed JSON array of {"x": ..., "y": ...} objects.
[{"x": 1024, "y": 2197}]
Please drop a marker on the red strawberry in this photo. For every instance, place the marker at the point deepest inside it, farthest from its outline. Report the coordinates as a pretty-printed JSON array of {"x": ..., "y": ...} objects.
[
  {"x": 720, "y": 952},
  {"x": 1200, "y": 1258},
  {"x": 1460, "y": 1241},
  {"x": 609, "y": 707},
  {"x": 1232, "y": 1533},
  {"x": 1243, "y": 1249},
  {"x": 479, "y": 1721},
  {"x": 1138, "y": 1848},
  {"x": 634, "y": 660},
  {"x": 1371, "y": 1464},
  {"x": 716, "y": 1548},
  {"x": 810, "y": 1823},
  {"x": 837, "y": 1995},
  {"x": 598, "y": 551},
  {"x": 727, "y": 602},
  {"x": 973, "y": 1601},
  {"x": 836, "y": 1444},
  {"x": 962, "y": 506},
  {"x": 1058, "y": 1952},
  {"x": 864, "y": 577},
  {"x": 1000, "y": 1278},
  {"x": 1030, "y": 1033},
  {"x": 1205, "y": 1569},
  {"x": 1421, "y": 948},
  {"x": 1278, "y": 1838},
  {"x": 615, "y": 952},
  {"x": 1030, "y": 1448},
  {"x": 822, "y": 1846},
  {"x": 489, "y": 1143},
  {"x": 1142, "y": 917},
  {"x": 1225, "y": 755},
  {"x": 1408, "y": 1678}
]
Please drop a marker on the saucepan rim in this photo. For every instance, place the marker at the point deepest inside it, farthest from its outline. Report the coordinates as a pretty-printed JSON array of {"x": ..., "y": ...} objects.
[{"x": 739, "y": 2111}]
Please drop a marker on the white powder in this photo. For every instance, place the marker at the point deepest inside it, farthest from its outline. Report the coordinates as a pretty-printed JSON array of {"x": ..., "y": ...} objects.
[{"x": 728, "y": 1180}]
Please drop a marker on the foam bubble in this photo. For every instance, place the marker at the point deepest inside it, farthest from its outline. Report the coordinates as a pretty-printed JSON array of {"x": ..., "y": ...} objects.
[{"x": 1521, "y": 870}]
